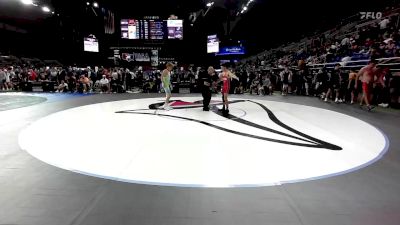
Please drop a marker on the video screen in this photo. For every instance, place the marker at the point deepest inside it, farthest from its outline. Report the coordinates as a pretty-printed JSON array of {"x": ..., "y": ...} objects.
[
  {"x": 157, "y": 30},
  {"x": 130, "y": 28},
  {"x": 90, "y": 44},
  {"x": 212, "y": 44},
  {"x": 175, "y": 29}
]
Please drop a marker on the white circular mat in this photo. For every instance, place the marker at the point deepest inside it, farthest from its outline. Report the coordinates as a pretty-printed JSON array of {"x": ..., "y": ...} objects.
[{"x": 255, "y": 146}]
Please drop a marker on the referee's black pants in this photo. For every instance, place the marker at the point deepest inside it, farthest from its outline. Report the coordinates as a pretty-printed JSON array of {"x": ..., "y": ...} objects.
[{"x": 206, "y": 92}]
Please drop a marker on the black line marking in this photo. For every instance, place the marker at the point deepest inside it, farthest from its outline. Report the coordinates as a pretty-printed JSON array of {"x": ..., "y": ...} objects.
[
  {"x": 314, "y": 142},
  {"x": 272, "y": 117},
  {"x": 232, "y": 131},
  {"x": 251, "y": 124}
]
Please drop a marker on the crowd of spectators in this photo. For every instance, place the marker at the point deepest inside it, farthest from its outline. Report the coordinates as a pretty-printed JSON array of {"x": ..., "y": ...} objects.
[
  {"x": 336, "y": 84},
  {"x": 85, "y": 80},
  {"x": 327, "y": 62}
]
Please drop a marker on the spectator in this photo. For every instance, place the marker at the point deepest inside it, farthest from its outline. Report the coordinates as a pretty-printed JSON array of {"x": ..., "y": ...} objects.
[
  {"x": 63, "y": 87},
  {"x": 104, "y": 84},
  {"x": 53, "y": 74},
  {"x": 266, "y": 88},
  {"x": 254, "y": 87},
  {"x": 381, "y": 90},
  {"x": 351, "y": 85},
  {"x": 3, "y": 80},
  {"x": 32, "y": 75},
  {"x": 239, "y": 89},
  {"x": 285, "y": 75},
  {"x": 345, "y": 42},
  {"x": 384, "y": 23}
]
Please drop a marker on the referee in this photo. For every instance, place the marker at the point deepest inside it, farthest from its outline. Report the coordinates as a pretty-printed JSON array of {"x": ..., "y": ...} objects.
[{"x": 206, "y": 81}]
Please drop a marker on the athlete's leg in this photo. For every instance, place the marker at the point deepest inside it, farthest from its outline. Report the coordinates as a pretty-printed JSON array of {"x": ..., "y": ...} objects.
[
  {"x": 167, "y": 98},
  {"x": 226, "y": 101}
]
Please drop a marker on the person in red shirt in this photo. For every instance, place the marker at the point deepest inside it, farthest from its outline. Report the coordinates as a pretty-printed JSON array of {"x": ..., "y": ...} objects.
[{"x": 32, "y": 75}]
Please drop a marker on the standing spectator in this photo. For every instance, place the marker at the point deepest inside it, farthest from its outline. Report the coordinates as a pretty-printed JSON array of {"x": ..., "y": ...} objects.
[
  {"x": 7, "y": 80},
  {"x": 308, "y": 79},
  {"x": 334, "y": 84},
  {"x": 384, "y": 24},
  {"x": 32, "y": 75},
  {"x": 381, "y": 88},
  {"x": 351, "y": 85},
  {"x": 286, "y": 75},
  {"x": 71, "y": 80},
  {"x": 2, "y": 80}
]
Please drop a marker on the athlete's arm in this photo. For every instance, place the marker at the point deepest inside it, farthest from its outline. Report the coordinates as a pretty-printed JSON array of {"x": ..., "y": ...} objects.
[{"x": 232, "y": 75}]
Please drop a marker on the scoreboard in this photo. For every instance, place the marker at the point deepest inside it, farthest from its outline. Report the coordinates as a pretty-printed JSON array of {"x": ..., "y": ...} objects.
[{"x": 149, "y": 29}]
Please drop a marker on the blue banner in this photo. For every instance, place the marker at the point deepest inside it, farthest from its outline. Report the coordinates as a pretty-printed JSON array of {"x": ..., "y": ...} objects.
[{"x": 235, "y": 50}]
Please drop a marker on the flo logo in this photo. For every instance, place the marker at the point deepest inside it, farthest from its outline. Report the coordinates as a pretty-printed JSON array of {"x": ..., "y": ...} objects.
[{"x": 371, "y": 15}]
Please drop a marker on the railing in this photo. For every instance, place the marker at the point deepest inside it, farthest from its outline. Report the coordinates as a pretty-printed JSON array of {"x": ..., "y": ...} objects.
[{"x": 393, "y": 63}]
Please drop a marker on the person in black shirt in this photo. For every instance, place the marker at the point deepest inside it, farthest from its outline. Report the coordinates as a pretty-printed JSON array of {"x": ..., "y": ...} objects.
[
  {"x": 286, "y": 75},
  {"x": 206, "y": 79},
  {"x": 308, "y": 80},
  {"x": 334, "y": 84}
]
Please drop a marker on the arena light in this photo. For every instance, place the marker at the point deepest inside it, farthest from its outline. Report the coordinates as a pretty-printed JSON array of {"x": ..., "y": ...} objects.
[
  {"x": 27, "y": 2},
  {"x": 46, "y": 9},
  {"x": 95, "y": 4},
  {"x": 246, "y": 6},
  {"x": 210, "y": 4},
  {"x": 87, "y": 3}
]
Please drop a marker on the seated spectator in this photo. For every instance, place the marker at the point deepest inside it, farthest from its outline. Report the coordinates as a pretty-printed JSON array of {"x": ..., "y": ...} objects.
[
  {"x": 239, "y": 89},
  {"x": 390, "y": 48},
  {"x": 266, "y": 88},
  {"x": 254, "y": 87},
  {"x": 53, "y": 73},
  {"x": 104, "y": 84},
  {"x": 42, "y": 77},
  {"x": 63, "y": 87}
]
